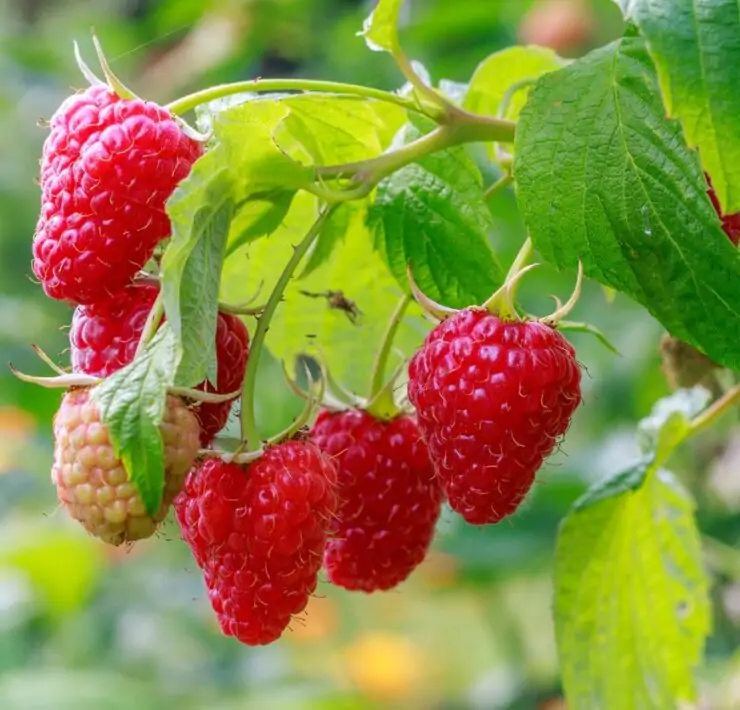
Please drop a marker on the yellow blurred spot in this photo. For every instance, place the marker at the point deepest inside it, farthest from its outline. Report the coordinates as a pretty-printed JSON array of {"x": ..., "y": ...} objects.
[
  {"x": 16, "y": 421},
  {"x": 317, "y": 622},
  {"x": 384, "y": 666},
  {"x": 16, "y": 429}
]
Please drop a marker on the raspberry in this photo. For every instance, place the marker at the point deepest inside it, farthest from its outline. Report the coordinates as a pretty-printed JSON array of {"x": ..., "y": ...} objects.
[
  {"x": 258, "y": 533},
  {"x": 492, "y": 399},
  {"x": 107, "y": 169},
  {"x": 389, "y": 499},
  {"x": 92, "y": 483},
  {"x": 730, "y": 222},
  {"x": 104, "y": 337}
]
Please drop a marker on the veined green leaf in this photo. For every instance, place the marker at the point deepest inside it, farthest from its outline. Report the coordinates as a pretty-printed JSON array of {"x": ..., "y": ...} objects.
[
  {"x": 695, "y": 45},
  {"x": 132, "y": 403},
  {"x": 605, "y": 178}
]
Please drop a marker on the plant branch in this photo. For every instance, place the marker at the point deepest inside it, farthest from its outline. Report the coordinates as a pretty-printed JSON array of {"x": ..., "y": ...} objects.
[
  {"x": 250, "y": 434},
  {"x": 187, "y": 103},
  {"x": 502, "y": 183},
  {"x": 368, "y": 173},
  {"x": 711, "y": 414}
]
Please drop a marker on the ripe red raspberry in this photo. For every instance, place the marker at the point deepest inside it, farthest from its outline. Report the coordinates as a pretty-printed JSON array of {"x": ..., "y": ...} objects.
[
  {"x": 104, "y": 336},
  {"x": 389, "y": 498},
  {"x": 92, "y": 483},
  {"x": 108, "y": 167},
  {"x": 730, "y": 222},
  {"x": 492, "y": 399},
  {"x": 258, "y": 532}
]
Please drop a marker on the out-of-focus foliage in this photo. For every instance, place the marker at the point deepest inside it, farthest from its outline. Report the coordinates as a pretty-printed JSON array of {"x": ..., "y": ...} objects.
[{"x": 83, "y": 626}]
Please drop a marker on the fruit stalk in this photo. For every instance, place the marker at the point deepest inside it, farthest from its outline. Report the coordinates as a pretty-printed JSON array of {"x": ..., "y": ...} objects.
[
  {"x": 381, "y": 403},
  {"x": 191, "y": 101},
  {"x": 249, "y": 432}
]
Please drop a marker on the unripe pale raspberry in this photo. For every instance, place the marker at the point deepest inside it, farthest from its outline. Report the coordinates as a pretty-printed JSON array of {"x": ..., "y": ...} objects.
[
  {"x": 258, "y": 532},
  {"x": 92, "y": 483},
  {"x": 104, "y": 336},
  {"x": 389, "y": 498},
  {"x": 108, "y": 167},
  {"x": 492, "y": 398}
]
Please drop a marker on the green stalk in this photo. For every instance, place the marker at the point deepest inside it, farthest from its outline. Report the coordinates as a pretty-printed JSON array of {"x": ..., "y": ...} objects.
[
  {"x": 466, "y": 128},
  {"x": 711, "y": 414},
  {"x": 502, "y": 302},
  {"x": 503, "y": 182},
  {"x": 191, "y": 101},
  {"x": 250, "y": 434},
  {"x": 152, "y": 323},
  {"x": 381, "y": 403}
]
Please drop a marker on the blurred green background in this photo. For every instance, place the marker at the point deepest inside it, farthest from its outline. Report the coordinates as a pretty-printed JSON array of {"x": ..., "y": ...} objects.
[{"x": 84, "y": 626}]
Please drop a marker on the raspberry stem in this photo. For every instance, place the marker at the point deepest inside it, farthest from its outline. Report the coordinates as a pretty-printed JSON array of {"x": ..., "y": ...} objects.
[
  {"x": 191, "y": 101},
  {"x": 249, "y": 432},
  {"x": 381, "y": 402},
  {"x": 502, "y": 302}
]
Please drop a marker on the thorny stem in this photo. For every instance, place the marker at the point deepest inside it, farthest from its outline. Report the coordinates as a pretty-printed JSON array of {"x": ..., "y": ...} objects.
[
  {"x": 250, "y": 435},
  {"x": 152, "y": 323},
  {"x": 187, "y": 103}
]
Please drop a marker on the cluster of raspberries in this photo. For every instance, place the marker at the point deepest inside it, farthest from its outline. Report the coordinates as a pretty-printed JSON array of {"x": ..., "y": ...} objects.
[{"x": 357, "y": 495}]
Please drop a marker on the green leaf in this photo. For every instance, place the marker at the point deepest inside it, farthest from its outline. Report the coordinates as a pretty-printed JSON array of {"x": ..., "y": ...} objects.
[
  {"x": 380, "y": 29},
  {"x": 324, "y": 129},
  {"x": 132, "y": 403},
  {"x": 669, "y": 421},
  {"x": 631, "y": 601},
  {"x": 695, "y": 45},
  {"x": 432, "y": 215},
  {"x": 333, "y": 232},
  {"x": 305, "y": 324},
  {"x": 498, "y": 74},
  {"x": 258, "y": 217},
  {"x": 288, "y": 136},
  {"x": 258, "y": 163},
  {"x": 200, "y": 210},
  {"x": 603, "y": 177}
]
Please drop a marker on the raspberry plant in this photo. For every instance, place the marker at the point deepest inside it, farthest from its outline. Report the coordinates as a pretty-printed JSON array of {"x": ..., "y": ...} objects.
[{"x": 325, "y": 203}]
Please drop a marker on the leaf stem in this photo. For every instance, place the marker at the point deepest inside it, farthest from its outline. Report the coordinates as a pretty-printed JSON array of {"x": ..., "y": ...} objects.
[
  {"x": 439, "y": 103},
  {"x": 191, "y": 101},
  {"x": 249, "y": 432}
]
